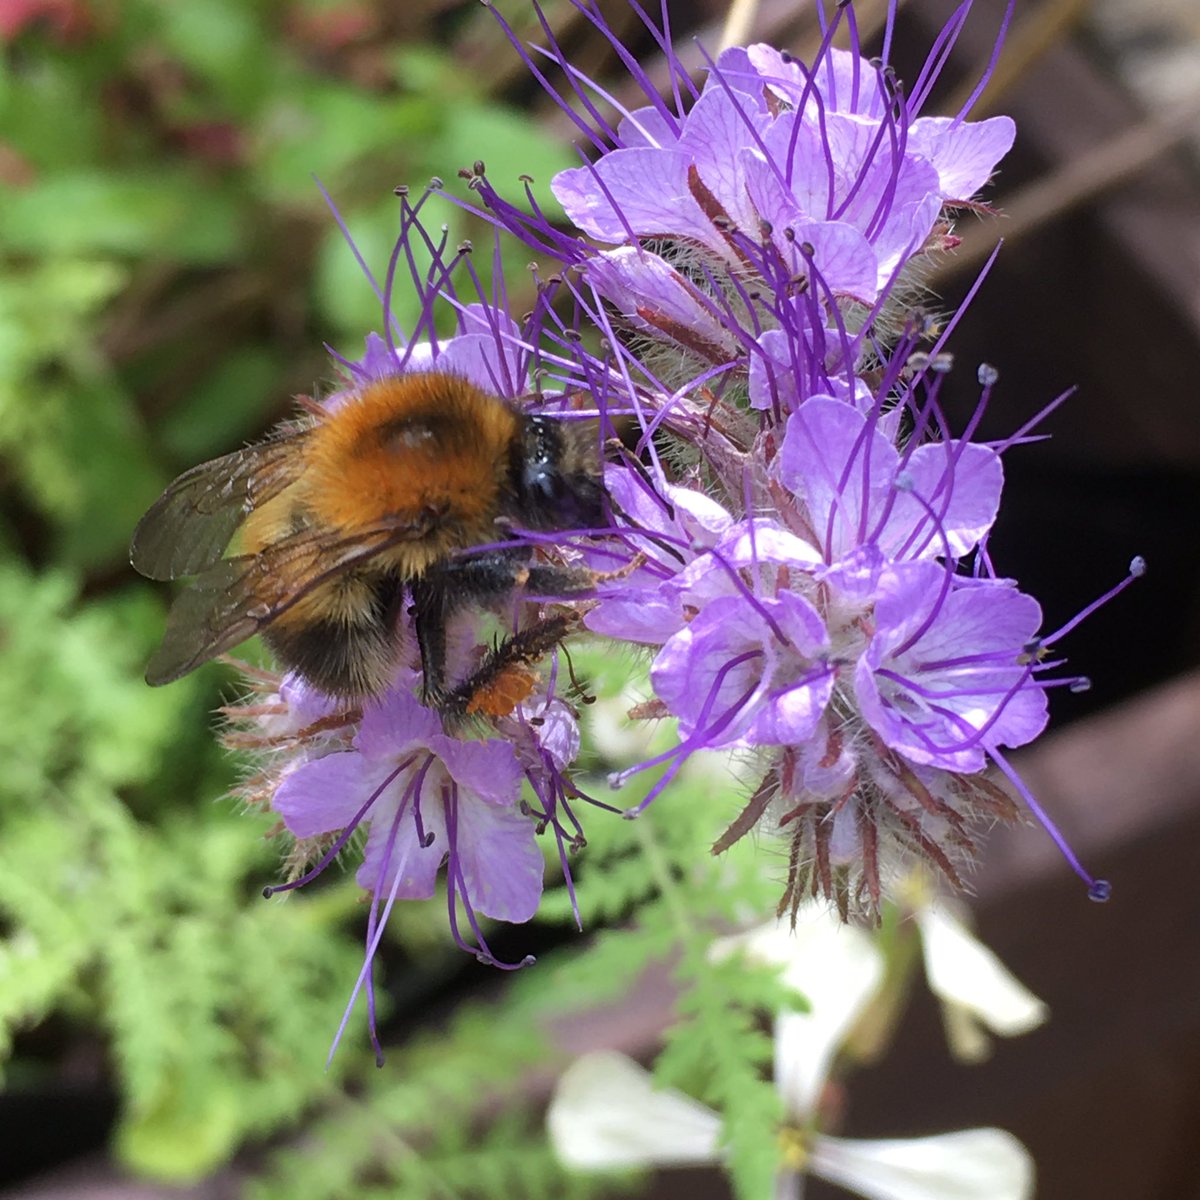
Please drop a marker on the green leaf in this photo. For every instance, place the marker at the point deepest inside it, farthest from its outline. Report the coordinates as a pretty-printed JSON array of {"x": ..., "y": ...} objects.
[
  {"x": 49, "y": 112},
  {"x": 184, "y": 1133},
  {"x": 175, "y": 215},
  {"x": 325, "y": 127},
  {"x": 71, "y": 695},
  {"x": 115, "y": 475},
  {"x": 42, "y": 307},
  {"x": 224, "y": 42},
  {"x": 227, "y": 407},
  {"x": 510, "y": 146}
]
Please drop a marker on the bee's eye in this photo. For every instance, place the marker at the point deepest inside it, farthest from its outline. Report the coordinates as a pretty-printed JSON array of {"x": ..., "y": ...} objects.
[
  {"x": 543, "y": 483},
  {"x": 551, "y": 496}
]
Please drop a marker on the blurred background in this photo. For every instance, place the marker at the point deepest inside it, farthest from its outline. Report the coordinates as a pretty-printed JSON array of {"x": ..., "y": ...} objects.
[{"x": 170, "y": 277}]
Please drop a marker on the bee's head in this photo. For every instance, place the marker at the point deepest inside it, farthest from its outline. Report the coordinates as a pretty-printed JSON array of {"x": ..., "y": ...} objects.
[{"x": 558, "y": 478}]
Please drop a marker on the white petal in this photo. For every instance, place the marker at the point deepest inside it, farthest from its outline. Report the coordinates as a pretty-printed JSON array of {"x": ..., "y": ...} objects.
[
  {"x": 976, "y": 1164},
  {"x": 838, "y": 969},
  {"x": 789, "y": 1185},
  {"x": 965, "y": 1036},
  {"x": 963, "y": 972},
  {"x": 607, "y": 1113}
]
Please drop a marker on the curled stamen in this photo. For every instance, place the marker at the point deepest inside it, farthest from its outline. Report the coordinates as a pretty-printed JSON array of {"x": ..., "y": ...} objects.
[{"x": 340, "y": 843}]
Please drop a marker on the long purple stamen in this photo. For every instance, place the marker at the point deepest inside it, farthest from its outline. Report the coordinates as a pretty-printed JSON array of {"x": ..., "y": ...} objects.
[
  {"x": 1137, "y": 568},
  {"x": 1098, "y": 889}
]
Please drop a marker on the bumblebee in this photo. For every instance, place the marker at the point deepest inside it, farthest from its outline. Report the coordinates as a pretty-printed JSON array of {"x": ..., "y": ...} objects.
[{"x": 352, "y": 513}]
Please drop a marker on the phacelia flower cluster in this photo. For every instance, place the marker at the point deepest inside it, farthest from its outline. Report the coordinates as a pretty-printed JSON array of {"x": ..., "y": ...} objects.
[{"x": 813, "y": 579}]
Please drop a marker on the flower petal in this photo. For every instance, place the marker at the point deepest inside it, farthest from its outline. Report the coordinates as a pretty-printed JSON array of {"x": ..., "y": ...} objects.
[
  {"x": 720, "y": 126},
  {"x": 964, "y": 153},
  {"x": 487, "y": 771},
  {"x": 838, "y": 969},
  {"x": 606, "y": 1112},
  {"x": 639, "y": 616},
  {"x": 498, "y": 855},
  {"x": 961, "y": 687},
  {"x": 643, "y": 190},
  {"x": 974, "y": 1164},
  {"x": 964, "y": 973},
  {"x": 396, "y": 723},
  {"x": 655, "y": 298},
  {"x": 324, "y": 795},
  {"x": 389, "y": 855},
  {"x": 960, "y": 484}
]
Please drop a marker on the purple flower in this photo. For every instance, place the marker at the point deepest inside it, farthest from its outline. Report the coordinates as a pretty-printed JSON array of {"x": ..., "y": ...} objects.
[
  {"x": 747, "y": 671},
  {"x": 847, "y": 474},
  {"x": 428, "y": 799},
  {"x": 853, "y": 635},
  {"x": 946, "y": 675},
  {"x": 798, "y": 534},
  {"x": 781, "y": 195},
  {"x": 668, "y": 530},
  {"x": 771, "y": 147}
]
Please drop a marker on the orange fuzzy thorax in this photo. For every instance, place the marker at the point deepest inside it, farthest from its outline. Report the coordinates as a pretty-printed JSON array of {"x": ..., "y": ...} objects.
[
  {"x": 408, "y": 445},
  {"x": 429, "y": 449}
]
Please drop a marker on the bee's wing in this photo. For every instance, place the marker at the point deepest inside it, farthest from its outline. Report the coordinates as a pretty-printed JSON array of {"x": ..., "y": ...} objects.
[
  {"x": 237, "y": 597},
  {"x": 188, "y": 527}
]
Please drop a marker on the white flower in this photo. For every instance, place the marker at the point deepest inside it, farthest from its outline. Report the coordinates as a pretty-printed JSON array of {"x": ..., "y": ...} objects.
[
  {"x": 976, "y": 990},
  {"x": 837, "y": 968},
  {"x": 607, "y": 1113},
  {"x": 973, "y": 1164}
]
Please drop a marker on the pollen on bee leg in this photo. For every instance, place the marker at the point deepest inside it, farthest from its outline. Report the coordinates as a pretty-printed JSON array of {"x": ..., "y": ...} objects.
[{"x": 497, "y": 697}]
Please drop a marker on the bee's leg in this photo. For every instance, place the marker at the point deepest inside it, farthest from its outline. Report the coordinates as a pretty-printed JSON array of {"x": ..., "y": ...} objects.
[
  {"x": 483, "y": 579},
  {"x": 546, "y": 580},
  {"x": 429, "y": 618},
  {"x": 444, "y": 590},
  {"x": 503, "y": 679}
]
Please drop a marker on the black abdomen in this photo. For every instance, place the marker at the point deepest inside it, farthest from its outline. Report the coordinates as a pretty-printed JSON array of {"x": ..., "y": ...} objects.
[{"x": 353, "y": 650}]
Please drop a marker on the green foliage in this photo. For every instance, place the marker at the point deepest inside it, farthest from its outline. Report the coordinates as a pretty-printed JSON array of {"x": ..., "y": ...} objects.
[
  {"x": 448, "y": 1116},
  {"x": 658, "y": 877},
  {"x": 65, "y": 421},
  {"x": 721, "y": 1050},
  {"x": 211, "y": 1006}
]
